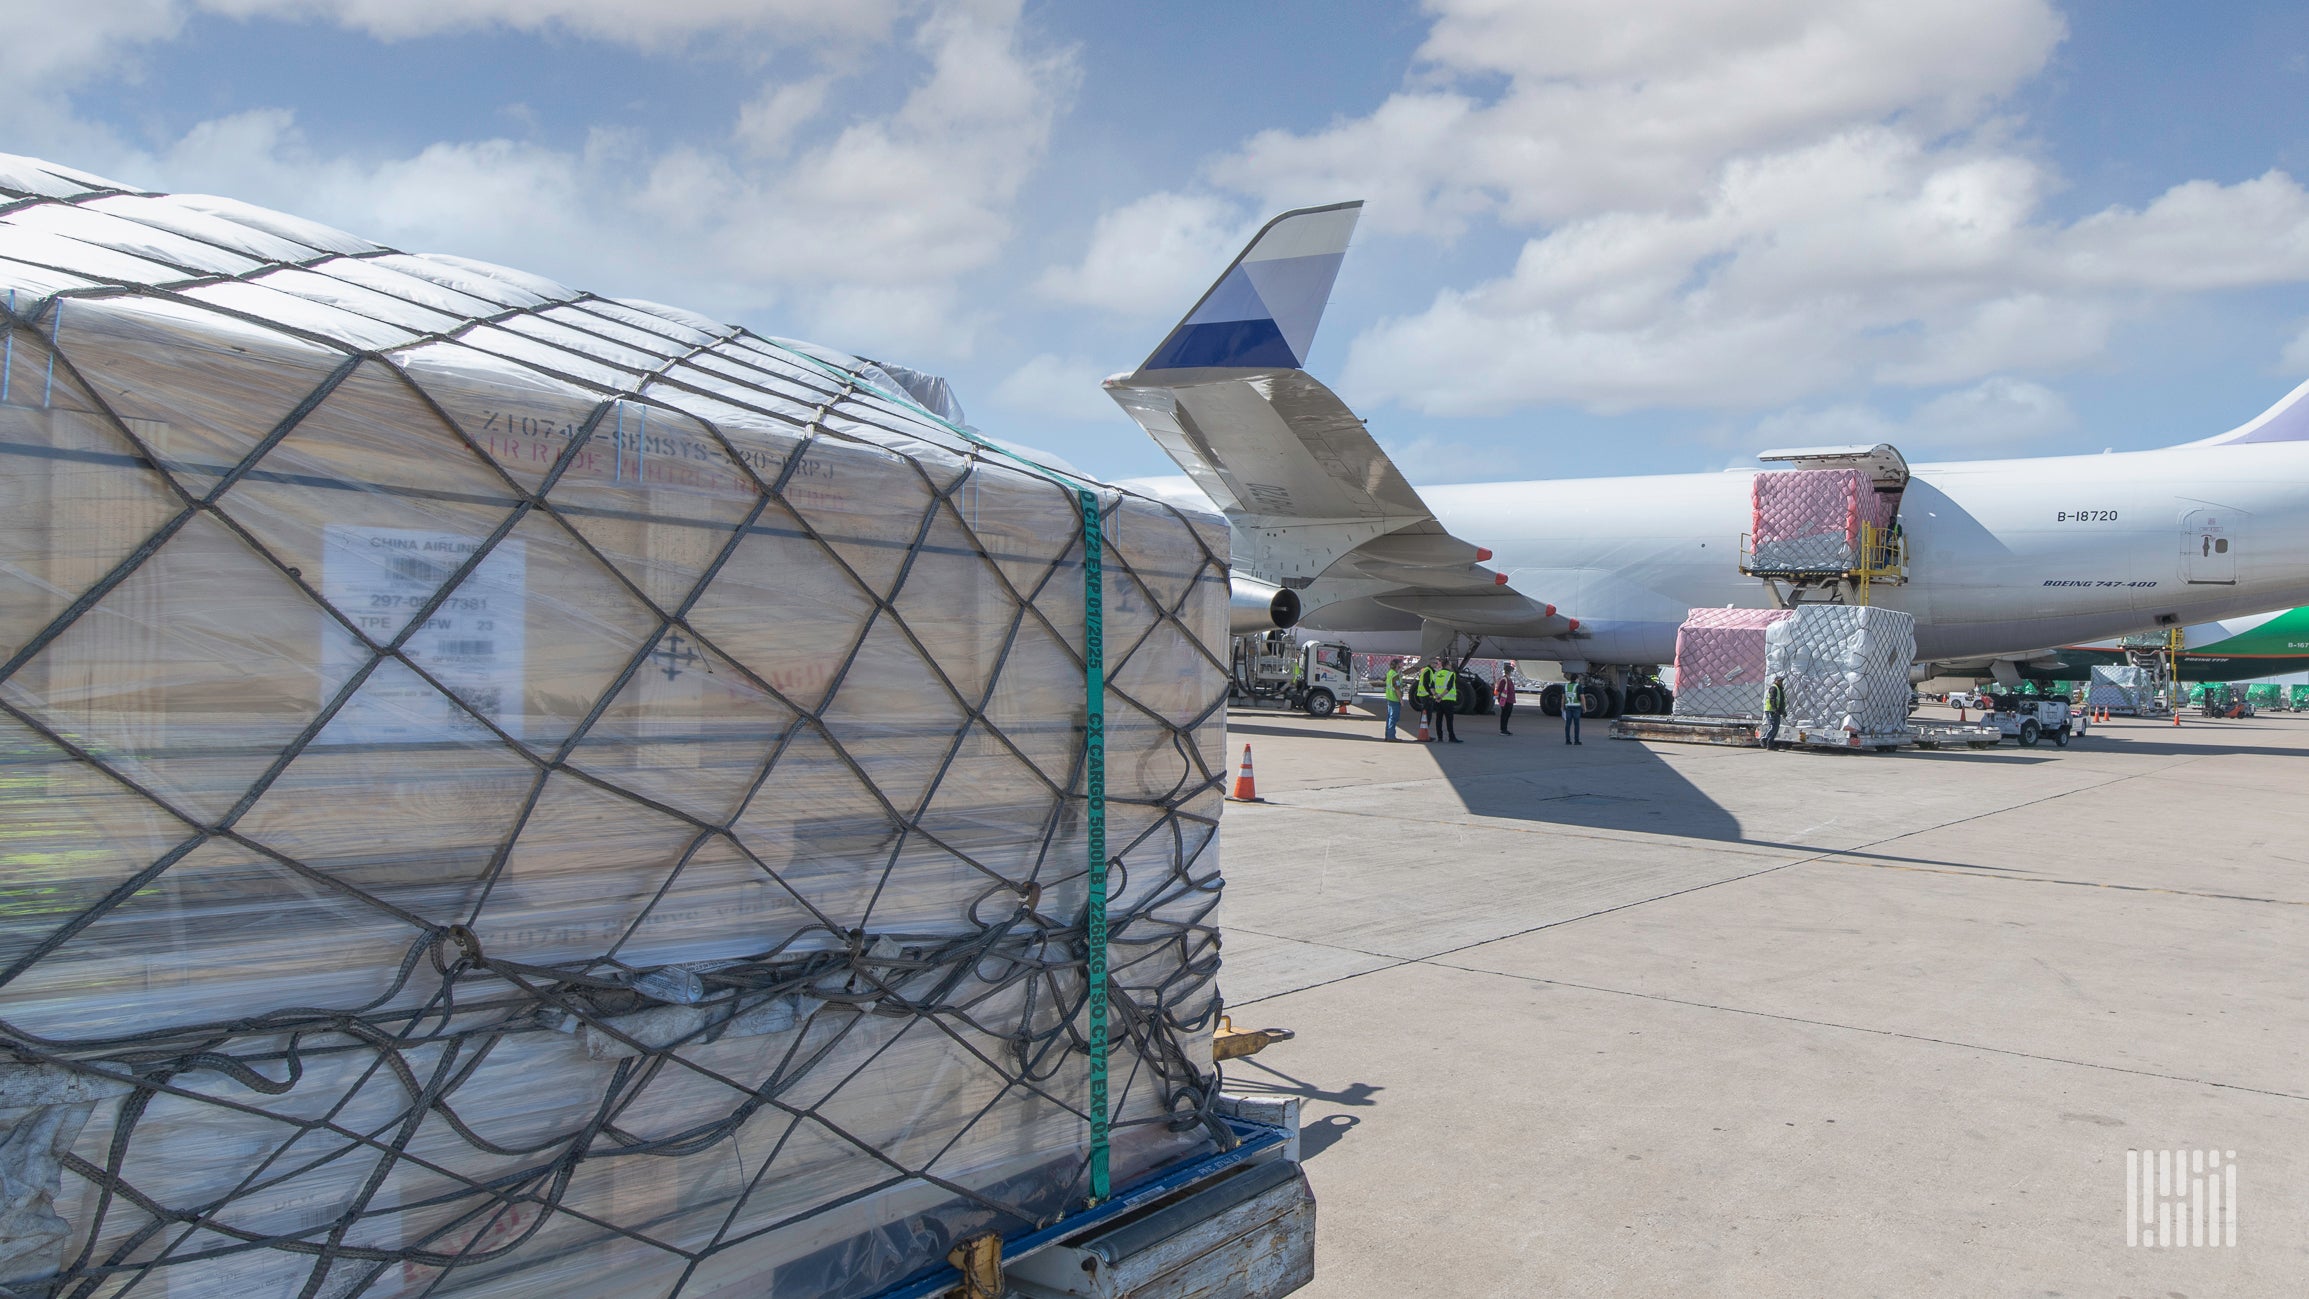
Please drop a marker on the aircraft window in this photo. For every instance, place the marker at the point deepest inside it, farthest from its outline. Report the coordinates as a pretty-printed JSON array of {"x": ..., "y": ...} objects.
[{"x": 2221, "y": 546}]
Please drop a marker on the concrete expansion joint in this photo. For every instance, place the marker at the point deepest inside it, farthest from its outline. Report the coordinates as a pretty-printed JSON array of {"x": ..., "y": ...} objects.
[{"x": 1922, "y": 1038}]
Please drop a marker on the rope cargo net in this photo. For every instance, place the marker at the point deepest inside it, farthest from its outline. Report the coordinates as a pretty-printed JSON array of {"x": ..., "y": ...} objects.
[
  {"x": 1720, "y": 662},
  {"x": 1809, "y": 520},
  {"x": 506, "y": 791},
  {"x": 1844, "y": 664}
]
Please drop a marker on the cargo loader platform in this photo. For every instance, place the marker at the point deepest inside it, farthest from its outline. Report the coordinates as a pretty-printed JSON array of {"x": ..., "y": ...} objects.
[
  {"x": 1732, "y": 732},
  {"x": 1741, "y": 732}
]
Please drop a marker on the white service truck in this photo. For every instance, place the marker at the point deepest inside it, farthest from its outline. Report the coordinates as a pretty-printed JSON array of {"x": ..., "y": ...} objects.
[
  {"x": 2028, "y": 718},
  {"x": 1315, "y": 677}
]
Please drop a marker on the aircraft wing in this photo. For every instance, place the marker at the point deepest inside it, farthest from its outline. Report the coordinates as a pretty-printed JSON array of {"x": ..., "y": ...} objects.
[{"x": 1313, "y": 497}]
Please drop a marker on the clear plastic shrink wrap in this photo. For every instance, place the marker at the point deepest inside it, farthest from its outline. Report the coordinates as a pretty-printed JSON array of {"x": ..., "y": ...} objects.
[
  {"x": 1720, "y": 662},
  {"x": 509, "y": 792},
  {"x": 2122, "y": 687},
  {"x": 1808, "y": 520},
  {"x": 1844, "y": 661}
]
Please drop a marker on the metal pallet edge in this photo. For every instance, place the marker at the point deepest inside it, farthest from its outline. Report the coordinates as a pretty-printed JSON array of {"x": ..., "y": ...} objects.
[{"x": 1256, "y": 1140}]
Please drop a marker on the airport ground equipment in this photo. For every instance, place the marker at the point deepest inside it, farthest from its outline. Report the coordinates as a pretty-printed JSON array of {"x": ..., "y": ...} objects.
[
  {"x": 2029, "y": 719},
  {"x": 1941, "y": 735},
  {"x": 516, "y": 793},
  {"x": 2222, "y": 699},
  {"x": 1740, "y": 733},
  {"x": 1273, "y": 669}
]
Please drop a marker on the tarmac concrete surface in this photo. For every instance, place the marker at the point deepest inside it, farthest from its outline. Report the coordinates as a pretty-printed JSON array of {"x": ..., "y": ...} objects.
[{"x": 1652, "y": 1019}]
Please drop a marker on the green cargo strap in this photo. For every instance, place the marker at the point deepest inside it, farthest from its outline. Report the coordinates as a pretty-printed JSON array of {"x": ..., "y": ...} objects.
[
  {"x": 1094, "y": 760},
  {"x": 1094, "y": 787}
]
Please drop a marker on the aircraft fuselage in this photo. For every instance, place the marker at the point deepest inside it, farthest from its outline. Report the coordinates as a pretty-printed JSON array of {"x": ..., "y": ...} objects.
[{"x": 2004, "y": 555}]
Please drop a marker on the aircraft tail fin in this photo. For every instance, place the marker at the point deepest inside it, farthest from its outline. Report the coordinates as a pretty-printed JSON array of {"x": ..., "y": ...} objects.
[
  {"x": 2287, "y": 421},
  {"x": 1262, "y": 313}
]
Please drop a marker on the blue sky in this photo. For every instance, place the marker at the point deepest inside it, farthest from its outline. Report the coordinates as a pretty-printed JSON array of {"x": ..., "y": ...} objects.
[{"x": 1600, "y": 238}]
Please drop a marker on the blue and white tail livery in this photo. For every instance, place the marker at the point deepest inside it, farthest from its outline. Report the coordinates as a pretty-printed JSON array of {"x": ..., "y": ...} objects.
[
  {"x": 1263, "y": 312},
  {"x": 2287, "y": 421}
]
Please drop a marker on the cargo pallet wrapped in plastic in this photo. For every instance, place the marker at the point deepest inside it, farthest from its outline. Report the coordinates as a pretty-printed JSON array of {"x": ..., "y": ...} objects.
[
  {"x": 2123, "y": 689},
  {"x": 1844, "y": 664},
  {"x": 1809, "y": 520},
  {"x": 1720, "y": 662},
  {"x": 510, "y": 792}
]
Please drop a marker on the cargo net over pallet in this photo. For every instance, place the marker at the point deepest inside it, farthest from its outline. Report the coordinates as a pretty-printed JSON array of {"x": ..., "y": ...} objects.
[
  {"x": 1838, "y": 663},
  {"x": 1846, "y": 667},
  {"x": 1817, "y": 522},
  {"x": 1720, "y": 662},
  {"x": 506, "y": 791}
]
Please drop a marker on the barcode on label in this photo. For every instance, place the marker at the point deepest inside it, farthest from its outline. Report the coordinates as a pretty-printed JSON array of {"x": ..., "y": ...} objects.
[
  {"x": 409, "y": 568},
  {"x": 466, "y": 648}
]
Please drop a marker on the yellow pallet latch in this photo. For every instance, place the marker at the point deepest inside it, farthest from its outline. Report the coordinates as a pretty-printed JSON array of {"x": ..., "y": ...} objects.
[
  {"x": 1231, "y": 1043},
  {"x": 979, "y": 1259}
]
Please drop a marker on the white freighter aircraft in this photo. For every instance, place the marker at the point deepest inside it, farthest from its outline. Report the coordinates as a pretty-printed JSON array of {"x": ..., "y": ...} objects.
[{"x": 1597, "y": 573}]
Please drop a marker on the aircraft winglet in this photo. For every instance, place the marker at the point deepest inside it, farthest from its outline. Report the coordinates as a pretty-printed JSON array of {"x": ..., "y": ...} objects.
[{"x": 1263, "y": 312}]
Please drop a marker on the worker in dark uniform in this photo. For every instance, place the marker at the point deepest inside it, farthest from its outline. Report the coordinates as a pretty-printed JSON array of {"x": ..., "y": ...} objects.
[
  {"x": 1443, "y": 689},
  {"x": 1775, "y": 708},
  {"x": 1571, "y": 708}
]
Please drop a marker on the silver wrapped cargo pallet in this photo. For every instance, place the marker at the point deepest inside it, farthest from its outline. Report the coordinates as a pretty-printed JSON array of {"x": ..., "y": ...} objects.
[{"x": 509, "y": 792}]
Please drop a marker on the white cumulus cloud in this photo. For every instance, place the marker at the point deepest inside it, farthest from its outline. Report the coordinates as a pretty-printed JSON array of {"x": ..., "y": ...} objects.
[
  {"x": 2295, "y": 358},
  {"x": 1731, "y": 205},
  {"x": 1995, "y": 415},
  {"x": 860, "y": 231},
  {"x": 1151, "y": 255},
  {"x": 1604, "y": 107},
  {"x": 1060, "y": 387}
]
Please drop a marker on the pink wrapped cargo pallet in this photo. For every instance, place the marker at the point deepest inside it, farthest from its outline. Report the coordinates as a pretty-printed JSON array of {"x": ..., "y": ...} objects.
[
  {"x": 1808, "y": 520},
  {"x": 1720, "y": 662}
]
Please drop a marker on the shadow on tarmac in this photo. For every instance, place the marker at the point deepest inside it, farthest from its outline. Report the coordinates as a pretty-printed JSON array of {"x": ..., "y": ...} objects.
[
  {"x": 1283, "y": 1084},
  {"x": 2170, "y": 749},
  {"x": 1600, "y": 784}
]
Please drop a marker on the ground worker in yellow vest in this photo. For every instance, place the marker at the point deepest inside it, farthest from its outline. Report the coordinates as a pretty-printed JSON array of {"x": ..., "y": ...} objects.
[
  {"x": 1775, "y": 710},
  {"x": 1396, "y": 685},
  {"x": 1443, "y": 695}
]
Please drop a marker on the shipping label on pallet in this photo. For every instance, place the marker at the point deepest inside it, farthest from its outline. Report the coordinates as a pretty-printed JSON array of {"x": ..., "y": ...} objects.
[{"x": 470, "y": 641}]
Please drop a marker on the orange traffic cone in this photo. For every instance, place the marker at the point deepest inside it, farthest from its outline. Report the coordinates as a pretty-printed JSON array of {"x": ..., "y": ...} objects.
[
  {"x": 1424, "y": 737},
  {"x": 1246, "y": 790}
]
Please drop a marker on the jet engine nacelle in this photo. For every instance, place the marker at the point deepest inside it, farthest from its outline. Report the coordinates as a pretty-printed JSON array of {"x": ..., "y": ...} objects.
[{"x": 1254, "y": 606}]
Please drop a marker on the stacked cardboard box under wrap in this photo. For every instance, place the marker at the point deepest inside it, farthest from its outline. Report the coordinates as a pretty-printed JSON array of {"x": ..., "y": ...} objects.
[
  {"x": 1720, "y": 662},
  {"x": 1844, "y": 661},
  {"x": 1809, "y": 520},
  {"x": 508, "y": 792}
]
